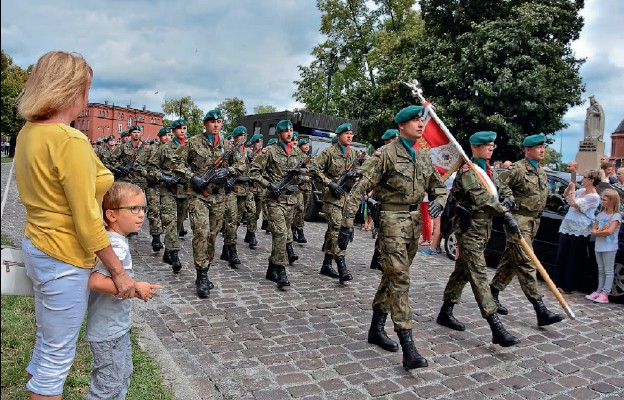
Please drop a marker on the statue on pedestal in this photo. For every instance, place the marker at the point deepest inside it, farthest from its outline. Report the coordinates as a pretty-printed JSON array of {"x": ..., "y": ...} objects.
[{"x": 594, "y": 120}]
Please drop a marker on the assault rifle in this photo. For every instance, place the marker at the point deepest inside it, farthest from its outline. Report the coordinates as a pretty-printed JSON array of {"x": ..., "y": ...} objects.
[
  {"x": 346, "y": 180},
  {"x": 209, "y": 175},
  {"x": 290, "y": 174},
  {"x": 126, "y": 169},
  {"x": 171, "y": 182}
]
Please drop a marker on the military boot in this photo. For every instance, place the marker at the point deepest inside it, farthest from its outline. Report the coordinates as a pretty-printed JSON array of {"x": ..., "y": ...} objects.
[
  {"x": 377, "y": 333},
  {"x": 182, "y": 232},
  {"x": 294, "y": 234},
  {"x": 411, "y": 358},
  {"x": 176, "y": 265},
  {"x": 167, "y": 257},
  {"x": 300, "y": 236},
  {"x": 282, "y": 278},
  {"x": 271, "y": 273},
  {"x": 446, "y": 317},
  {"x": 500, "y": 335},
  {"x": 376, "y": 260},
  {"x": 545, "y": 316},
  {"x": 292, "y": 257},
  {"x": 253, "y": 242},
  {"x": 156, "y": 244},
  {"x": 225, "y": 253},
  {"x": 327, "y": 269},
  {"x": 233, "y": 256},
  {"x": 502, "y": 310},
  {"x": 247, "y": 237},
  {"x": 202, "y": 284},
  {"x": 343, "y": 273}
]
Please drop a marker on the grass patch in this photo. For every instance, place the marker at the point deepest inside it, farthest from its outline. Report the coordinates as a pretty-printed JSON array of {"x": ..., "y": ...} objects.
[
  {"x": 6, "y": 241},
  {"x": 7, "y": 159}
]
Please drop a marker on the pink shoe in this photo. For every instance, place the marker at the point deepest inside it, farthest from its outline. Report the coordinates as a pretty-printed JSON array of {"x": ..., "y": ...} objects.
[
  {"x": 602, "y": 298},
  {"x": 592, "y": 296}
]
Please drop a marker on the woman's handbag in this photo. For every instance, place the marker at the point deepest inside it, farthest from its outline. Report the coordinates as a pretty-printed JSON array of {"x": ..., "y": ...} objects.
[{"x": 14, "y": 279}]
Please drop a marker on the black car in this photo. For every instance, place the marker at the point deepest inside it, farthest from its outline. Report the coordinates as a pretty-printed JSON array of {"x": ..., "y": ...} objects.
[{"x": 546, "y": 241}]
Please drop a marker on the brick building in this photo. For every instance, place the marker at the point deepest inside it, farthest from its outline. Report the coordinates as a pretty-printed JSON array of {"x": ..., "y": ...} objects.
[
  {"x": 617, "y": 145},
  {"x": 99, "y": 120}
]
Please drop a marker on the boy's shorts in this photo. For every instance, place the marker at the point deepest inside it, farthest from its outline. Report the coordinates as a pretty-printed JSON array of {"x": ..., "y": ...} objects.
[{"x": 112, "y": 368}]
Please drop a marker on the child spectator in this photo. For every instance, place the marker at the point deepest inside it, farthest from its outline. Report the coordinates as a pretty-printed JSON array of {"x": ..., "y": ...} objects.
[
  {"x": 606, "y": 230},
  {"x": 108, "y": 316}
]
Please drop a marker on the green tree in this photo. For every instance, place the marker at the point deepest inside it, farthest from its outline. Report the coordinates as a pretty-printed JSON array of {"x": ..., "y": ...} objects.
[
  {"x": 232, "y": 109},
  {"x": 552, "y": 158},
  {"x": 262, "y": 109},
  {"x": 13, "y": 79},
  {"x": 185, "y": 108}
]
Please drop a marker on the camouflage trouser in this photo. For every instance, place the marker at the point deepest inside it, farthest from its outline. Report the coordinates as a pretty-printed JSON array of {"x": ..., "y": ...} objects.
[
  {"x": 516, "y": 262},
  {"x": 254, "y": 213},
  {"x": 398, "y": 240},
  {"x": 470, "y": 267},
  {"x": 206, "y": 217},
  {"x": 333, "y": 215},
  {"x": 234, "y": 205},
  {"x": 280, "y": 217},
  {"x": 172, "y": 214},
  {"x": 299, "y": 210},
  {"x": 152, "y": 196}
]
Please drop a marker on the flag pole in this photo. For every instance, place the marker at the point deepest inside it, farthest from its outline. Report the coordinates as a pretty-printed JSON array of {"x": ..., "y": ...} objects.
[{"x": 417, "y": 93}]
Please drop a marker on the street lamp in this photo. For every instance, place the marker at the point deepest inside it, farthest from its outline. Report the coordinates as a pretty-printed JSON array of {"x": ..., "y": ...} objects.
[
  {"x": 102, "y": 129},
  {"x": 331, "y": 68}
]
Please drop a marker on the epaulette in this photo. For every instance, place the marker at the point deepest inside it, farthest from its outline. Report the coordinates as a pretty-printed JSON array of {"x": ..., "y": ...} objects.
[{"x": 465, "y": 168}]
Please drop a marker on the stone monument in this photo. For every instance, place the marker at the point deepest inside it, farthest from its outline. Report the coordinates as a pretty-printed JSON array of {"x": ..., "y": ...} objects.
[{"x": 592, "y": 147}]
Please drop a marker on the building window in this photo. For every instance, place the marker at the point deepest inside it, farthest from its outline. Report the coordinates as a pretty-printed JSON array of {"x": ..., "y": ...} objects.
[
  {"x": 119, "y": 128},
  {"x": 257, "y": 127},
  {"x": 271, "y": 130},
  {"x": 129, "y": 121}
]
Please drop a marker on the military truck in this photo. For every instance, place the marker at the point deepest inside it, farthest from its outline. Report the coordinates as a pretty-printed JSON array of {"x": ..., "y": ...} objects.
[{"x": 319, "y": 128}]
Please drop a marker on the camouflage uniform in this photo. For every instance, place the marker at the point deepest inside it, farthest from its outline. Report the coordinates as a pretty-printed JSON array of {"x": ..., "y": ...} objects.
[
  {"x": 303, "y": 198},
  {"x": 400, "y": 184},
  {"x": 152, "y": 189},
  {"x": 256, "y": 195},
  {"x": 237, "y": 199},
  {"x": 470, "y": 266},
  {"x": 122, "y": 156},
  {"x": 103, "y": 152}
]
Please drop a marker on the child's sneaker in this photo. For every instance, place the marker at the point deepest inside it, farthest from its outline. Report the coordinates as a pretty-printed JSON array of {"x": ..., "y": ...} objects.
[
  {"x": 602, "y": 298},
  {"x": 592, "y": 296}
]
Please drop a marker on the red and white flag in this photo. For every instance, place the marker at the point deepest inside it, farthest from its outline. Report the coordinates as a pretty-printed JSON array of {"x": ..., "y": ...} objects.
[{"x": 444, "y": 154}]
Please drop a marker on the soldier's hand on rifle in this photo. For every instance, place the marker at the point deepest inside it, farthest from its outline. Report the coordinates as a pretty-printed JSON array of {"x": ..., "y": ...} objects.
[
  {"x": 168, "y": 181},
  {"x": 198, "y": 183},
  {"x": 335, "y": 189},
  {"x": 229, "y": 184},
  {"x": 351, "y": 173},
  {"x": 293, "y": 171},
  {"x": 123, "y": 170},
  {"x": 344, "y": 237},
  {"x": 274, "y": 190},
  {"x": 221, "y": 174},
  {"x": 511, "y": 224},
  {"x": 508, "y": 203},
  {"x": 435, "y": 209}
]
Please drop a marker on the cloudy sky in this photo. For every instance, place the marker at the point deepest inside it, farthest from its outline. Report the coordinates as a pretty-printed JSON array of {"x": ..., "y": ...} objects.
[{"x": 144, "y": 52}]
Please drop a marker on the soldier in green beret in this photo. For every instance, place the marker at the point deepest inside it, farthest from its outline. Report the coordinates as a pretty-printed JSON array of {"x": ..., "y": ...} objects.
[
  {"x": 529, "y": 184},
  {"x": 305, "y": 186},
  {"x": 254, "y": 150},
  {"x": 105, "y": 149},
  {"x": 125, "y": 137},
  {"x": 390, "y": 136},
  {"x": 268, "y": 171},
  {"x": 400, "y": 174},
  {"x": 272, "y": 141},
  {"x": 476, "y": 207}
]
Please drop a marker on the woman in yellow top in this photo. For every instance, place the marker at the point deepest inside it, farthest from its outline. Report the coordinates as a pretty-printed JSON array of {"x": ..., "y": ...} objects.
[{"x": 61, "y": 183}]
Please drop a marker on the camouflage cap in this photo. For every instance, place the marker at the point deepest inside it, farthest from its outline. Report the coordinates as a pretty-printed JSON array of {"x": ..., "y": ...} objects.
[
  {"x": 409, "y": 113},
  {"x": 534, "y": 140},
  {"x": 346, "y": 127},
  {"x": 390, "y": 134},
  {"x": 283, "y": 125},
  {"x": 178, "y": 123},
  {"x": 213, "y": 114},
  {"x": 239, "y": 130},
  {"x": 271, "y": 141},
  {"x": 481, "y": 138},
  {"x": 164, "y": 130}
]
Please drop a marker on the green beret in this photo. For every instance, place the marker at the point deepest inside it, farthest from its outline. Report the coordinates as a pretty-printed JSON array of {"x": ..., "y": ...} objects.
[
  {"x": 178, "y": 123},
  {"x": 228, "y": 137},
  {"x": 239, "y": 130},
  {"x": 124, "y": 134},
  {"x": 134, "y": 128},
  {"x": 272, "y": 141},
  {"x": 255, "y": 138},
  {"x": 409, "y": 113},
  {"x": 283, "y": 125},
  {"x": 483, "y": 137},
  {"x": 111, "y": 137},
  {"x": 213, "y": 114},
  {"x": 303, "y": 140},
  {"x": 295, "y": 134},
  {"x": 534, "y": 140},
  {"x": 163, "y": 131},
  {"x": 389, "y": 134},
  {"x": 334, "y": 139},
  {"x": 343, "y": 128}
]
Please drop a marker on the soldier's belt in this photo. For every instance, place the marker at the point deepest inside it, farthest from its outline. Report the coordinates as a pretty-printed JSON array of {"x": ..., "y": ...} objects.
[
  {"x": 399, "y": 207},
  {"x": 481, "y": 215},
  {"x": 527, "y": 213}
]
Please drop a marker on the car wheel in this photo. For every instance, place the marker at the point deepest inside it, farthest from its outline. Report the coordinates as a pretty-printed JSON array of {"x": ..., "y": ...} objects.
[
  {"x": 450, "y": 245},
  {"x": 617, "y": 290}
]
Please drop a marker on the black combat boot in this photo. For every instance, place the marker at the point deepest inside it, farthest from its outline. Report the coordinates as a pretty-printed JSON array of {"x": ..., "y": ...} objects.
[
  {"x": 253, "y": 242},
  {"x": 300, "y": 236},
  {"x": 247, "y": 237},
  {"x": 446, "y": 317},
  {"x": 500, "y": 335},
  {"x": 545, "y": 316},
  {"x": 343, "y": 273},
  {"x": 156, "y": 244},
  {"x": 167, "y": 257},
  {"x": 376, "y": 260},
  {"x": 411, "y": 358},
  {"x": 271, "y": 273},
  {"x": 294, "y": 234},
  {"x": 202, "y": 284},
  {"x": 233, "y": 256},
  {"x": 182, "y": 232},
  {"x": 377, "y": 333},
  {"x": 327, "y": 269},
  {"x": 225, "y": 253},
  {"x": 282, "y": 278},
  {"x": 292, "y": 257},
  {"x": 502, "y": 310},
  {"x": 176, "y": 265}
]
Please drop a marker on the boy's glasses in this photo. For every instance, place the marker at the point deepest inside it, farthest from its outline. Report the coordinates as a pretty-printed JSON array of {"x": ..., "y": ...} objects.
[{"x": 132, "y": 209}]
